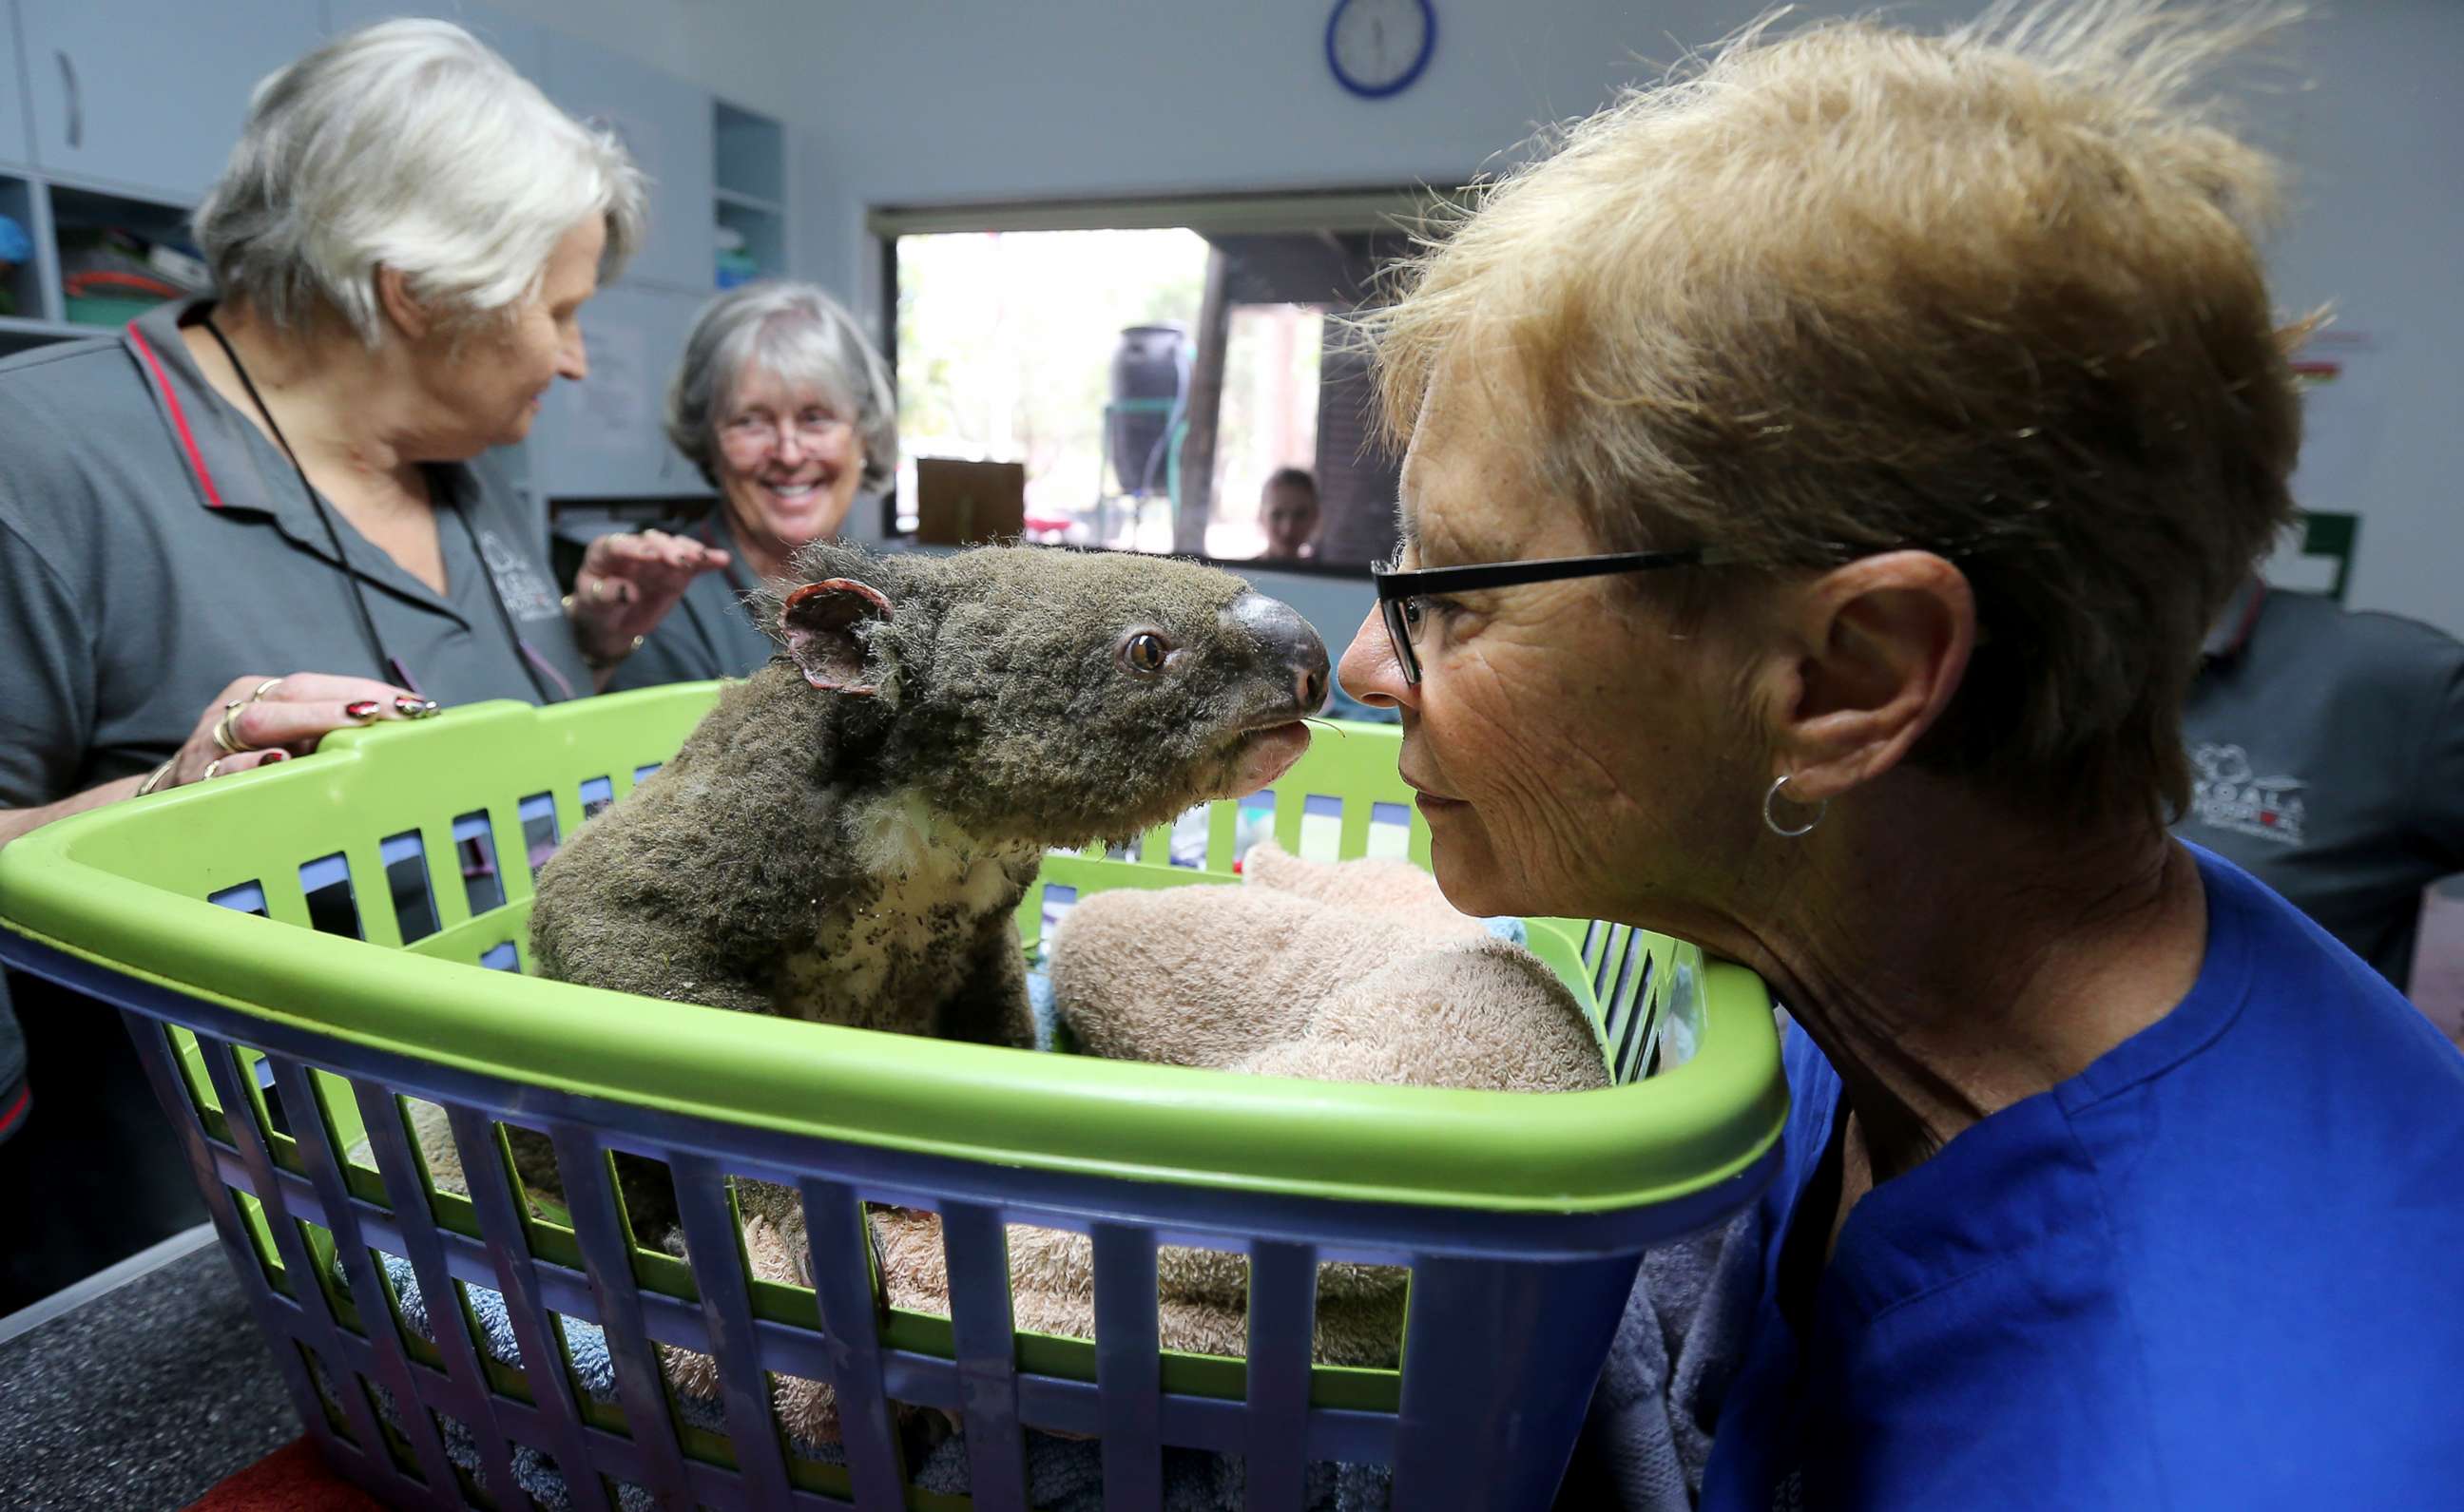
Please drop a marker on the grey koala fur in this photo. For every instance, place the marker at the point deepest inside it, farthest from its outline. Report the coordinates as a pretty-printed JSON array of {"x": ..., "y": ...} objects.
[{"x": 845, "y": 837}]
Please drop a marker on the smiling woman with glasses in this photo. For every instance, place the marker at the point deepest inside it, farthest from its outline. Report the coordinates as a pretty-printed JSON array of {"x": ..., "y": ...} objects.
[
  {"x": 786, "y": 410},
  {"x": 2093, "y": 1138}
]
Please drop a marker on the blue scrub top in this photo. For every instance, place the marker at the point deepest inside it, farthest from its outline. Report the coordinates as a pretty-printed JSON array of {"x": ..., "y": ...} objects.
[{"x": 2221, "y": 1267}]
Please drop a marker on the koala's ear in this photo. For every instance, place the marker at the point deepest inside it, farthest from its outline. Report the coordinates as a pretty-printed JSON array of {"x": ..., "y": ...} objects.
[
  {"x": 823, "y": 624},
  {"x": 827, "y": 557}
]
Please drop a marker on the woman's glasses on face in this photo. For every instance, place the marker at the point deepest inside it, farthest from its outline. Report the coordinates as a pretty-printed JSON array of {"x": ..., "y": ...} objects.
[
  {"x": 755, "y": 432},
  {"x": 1399, "y": 593}
]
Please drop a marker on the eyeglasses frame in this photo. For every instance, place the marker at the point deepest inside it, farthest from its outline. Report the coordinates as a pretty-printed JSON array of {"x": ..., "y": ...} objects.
[{"x": 1395, "y": 589}]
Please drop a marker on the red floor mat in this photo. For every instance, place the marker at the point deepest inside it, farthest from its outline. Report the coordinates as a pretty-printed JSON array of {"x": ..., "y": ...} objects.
[{"x": 293, "y": 1478}]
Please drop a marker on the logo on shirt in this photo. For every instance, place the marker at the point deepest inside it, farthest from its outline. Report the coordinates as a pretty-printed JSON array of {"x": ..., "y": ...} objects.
[
  {"x": 529, "y": 597},
  {"x": 2228, "y": 795}
]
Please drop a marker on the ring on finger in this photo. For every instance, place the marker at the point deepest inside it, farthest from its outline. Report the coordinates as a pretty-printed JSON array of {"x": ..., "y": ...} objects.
[
  {"x": 264, "y": 688},
  {"x": 213, "y": 769},
  {"x": 226, "y": 729}
]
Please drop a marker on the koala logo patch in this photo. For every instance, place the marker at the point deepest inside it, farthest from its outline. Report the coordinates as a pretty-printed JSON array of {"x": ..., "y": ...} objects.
[
  {"x": 2228, "y": 795},
  {"x": 529, "y": 597}
]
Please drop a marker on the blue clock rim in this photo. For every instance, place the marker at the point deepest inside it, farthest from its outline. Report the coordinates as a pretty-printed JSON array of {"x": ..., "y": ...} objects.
[{"x": 1403, "y": 80}]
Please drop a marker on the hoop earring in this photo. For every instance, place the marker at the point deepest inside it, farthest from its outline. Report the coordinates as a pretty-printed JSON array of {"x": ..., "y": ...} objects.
[{"x": 1774, "y": 824}]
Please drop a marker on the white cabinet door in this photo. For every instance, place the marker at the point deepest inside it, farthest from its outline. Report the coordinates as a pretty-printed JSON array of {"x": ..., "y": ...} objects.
[
  {"x": 518, "y": 42},
  {"x": 667, "y": 125},
  {"x": 13, "y": 108},
  {"x": 148, "y": 94},
  {"x": 601, "y": 438}
]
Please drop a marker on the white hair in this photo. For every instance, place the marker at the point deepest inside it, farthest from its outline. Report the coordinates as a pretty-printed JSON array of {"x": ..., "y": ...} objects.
[
  {"x": 797, "y": 334},
  {"x": 408, "y": 145}
]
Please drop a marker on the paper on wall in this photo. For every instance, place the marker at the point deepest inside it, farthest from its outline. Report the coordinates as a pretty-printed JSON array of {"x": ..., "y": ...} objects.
[
  {"x": 614, "y": 404},
  {"x": 2343, "y": 413}
]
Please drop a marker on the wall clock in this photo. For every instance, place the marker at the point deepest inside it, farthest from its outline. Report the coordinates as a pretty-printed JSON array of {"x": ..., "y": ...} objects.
[{"x": 1377, "y": 48}]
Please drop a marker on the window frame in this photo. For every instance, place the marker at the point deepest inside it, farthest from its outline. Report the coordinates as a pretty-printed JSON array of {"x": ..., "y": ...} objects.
[{"x": 1332, "y": 210}]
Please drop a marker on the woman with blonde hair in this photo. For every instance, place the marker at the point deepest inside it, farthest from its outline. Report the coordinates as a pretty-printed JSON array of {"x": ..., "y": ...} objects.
[{"x": 1822, "y": 470}]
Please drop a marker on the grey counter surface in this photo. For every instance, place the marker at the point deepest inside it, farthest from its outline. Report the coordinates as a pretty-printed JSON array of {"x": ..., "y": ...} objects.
[{"x": 142, "y": 1398}]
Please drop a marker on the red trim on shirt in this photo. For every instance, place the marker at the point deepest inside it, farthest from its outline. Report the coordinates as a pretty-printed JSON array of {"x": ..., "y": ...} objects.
[
  {"x": 179, "y": 417},
  {"x": 2248, "y": 618},
  {"x": 17, "y": 1110}
]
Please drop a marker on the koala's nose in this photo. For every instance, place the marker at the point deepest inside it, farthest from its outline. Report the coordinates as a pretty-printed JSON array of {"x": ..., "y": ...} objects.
[{"x": 1280, "y": 629}]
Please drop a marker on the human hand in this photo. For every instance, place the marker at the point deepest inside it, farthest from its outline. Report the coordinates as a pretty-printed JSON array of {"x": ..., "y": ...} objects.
[
  {"x": 257, "y": 721},
  {"x": 628, "y": 584}
]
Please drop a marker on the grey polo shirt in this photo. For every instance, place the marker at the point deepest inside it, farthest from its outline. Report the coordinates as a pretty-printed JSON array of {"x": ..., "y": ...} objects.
[
  {"x": 2327, "y": 760},
  {"x": 709, "y": 633},
  {"x": 154, "y": 545}
]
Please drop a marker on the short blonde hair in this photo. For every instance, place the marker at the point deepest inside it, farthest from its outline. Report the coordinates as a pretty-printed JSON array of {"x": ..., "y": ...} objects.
[
  {"x": 1992, "y": 293},
  {"x": 409, "y": 145}
]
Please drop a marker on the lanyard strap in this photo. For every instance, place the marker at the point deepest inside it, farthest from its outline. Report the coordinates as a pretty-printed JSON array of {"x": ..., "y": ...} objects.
[
  {"x": 333, "y": 536},
  {"x": 522, "y": 652}
]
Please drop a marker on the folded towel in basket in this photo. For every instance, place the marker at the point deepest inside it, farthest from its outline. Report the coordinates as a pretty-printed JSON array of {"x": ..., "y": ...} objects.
[
  {"x": 1063, "y": 1475},
  {"x": 1201, "y": 1305},
  {"x": 1357, "y": 971},
  {"x": 1647, "y": 1434}
]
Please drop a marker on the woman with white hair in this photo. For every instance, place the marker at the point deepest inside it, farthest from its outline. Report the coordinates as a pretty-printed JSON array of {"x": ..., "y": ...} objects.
[
  {"x": 787, "y": 410},
  {"x": 245, "y": 521},
  {"x": 282, "y": 477}
]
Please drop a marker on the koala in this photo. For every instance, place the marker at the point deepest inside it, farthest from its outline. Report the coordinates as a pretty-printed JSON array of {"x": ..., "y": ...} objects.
[{"x": 845, "y": 837}]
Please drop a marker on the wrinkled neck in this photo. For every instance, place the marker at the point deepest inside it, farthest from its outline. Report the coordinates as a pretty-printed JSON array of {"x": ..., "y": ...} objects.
[{"x": 1951, "y": 960}]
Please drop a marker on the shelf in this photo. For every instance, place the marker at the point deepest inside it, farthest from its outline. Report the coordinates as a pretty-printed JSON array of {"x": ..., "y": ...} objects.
[
  {"x": 750, "y": 157},
  {"x": 730, "y": 199},
  {"x": 19, "y": 325},
  {"x": 93, "y": 187},
  {"x": 765, "y": 233},
  {"x": 76, "y": 208}
]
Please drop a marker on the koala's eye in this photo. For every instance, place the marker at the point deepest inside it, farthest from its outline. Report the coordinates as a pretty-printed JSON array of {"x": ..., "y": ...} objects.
[{"x": 1145, "y": 652}]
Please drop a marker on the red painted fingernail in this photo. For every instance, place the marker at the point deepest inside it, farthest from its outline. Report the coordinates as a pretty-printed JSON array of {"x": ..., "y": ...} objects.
[
  {"x": 365, "y": 709},
  {"x": 272, "y": 757}
]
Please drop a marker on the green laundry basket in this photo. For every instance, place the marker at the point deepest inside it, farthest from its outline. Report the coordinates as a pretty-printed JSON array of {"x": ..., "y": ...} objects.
[{"x": 299, "y": 948}]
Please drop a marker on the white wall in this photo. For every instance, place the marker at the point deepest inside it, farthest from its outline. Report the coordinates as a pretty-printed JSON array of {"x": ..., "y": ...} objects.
[
  {"x": 954, "y": 100},
  {"x": 738, "y": 50},
  {"x": 982, "y": 100},
  {"x": 2377, "y": 232}
]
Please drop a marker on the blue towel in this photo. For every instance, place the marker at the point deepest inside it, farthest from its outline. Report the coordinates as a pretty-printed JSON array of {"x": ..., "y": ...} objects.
[
  {"x": 1647, "y": 1436},
  {"x": 1063, "y": 1475}
]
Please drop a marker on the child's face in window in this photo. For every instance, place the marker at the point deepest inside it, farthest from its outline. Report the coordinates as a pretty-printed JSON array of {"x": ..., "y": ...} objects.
[{"x": 1291, "y": 517}]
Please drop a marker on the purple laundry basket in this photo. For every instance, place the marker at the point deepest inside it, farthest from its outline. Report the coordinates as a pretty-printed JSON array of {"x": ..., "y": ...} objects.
[{"x": 297, "y": 950}]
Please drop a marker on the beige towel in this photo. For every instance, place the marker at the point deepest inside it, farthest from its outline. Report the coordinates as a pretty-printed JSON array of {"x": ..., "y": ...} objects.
[
  {"x": 1391, "y": 890},
  {"x": 1201, "y": 1305},
  {"x": 1357, "y": 971}
]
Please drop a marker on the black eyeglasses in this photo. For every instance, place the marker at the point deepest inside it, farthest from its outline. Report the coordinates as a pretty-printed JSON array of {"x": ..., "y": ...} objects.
[{"x": 1399, "y": 593}]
